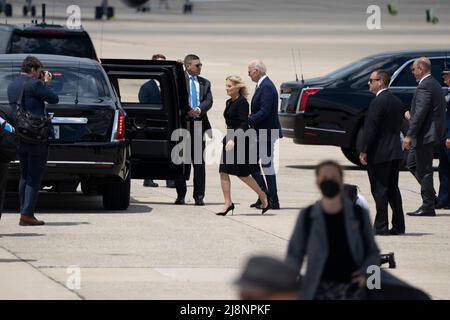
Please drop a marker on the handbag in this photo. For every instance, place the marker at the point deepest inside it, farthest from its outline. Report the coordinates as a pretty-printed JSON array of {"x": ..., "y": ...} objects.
[
  {"x": 29, "y": 127},
  {"x": 9, "y": 145}
]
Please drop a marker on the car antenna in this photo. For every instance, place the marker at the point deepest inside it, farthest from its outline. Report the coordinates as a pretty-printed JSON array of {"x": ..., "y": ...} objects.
[
  {"x": 301, "y": 66},
  {"x": 295, "y": 65},
  {"x": 43, "y": 13},
  {"x": 78, "y": 81}
]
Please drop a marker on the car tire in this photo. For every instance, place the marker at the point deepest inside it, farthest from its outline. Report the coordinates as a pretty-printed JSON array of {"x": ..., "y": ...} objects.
[
  {"x": 352, "y": 155},
  {"x": 116, "y": 195},
  {"x": 8, "y": 10}
]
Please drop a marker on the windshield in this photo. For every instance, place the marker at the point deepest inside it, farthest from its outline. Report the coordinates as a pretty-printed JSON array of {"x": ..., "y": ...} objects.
[
  {"x": 350, "y": 68},
  {"x": 75, "y": 46},
  {"x": 90, "y": 83}
]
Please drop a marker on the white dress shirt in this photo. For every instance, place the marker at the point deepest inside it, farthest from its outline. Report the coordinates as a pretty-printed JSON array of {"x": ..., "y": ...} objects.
[
  {"x": 261, "y": 80},
  {"x": 428, "y": 75},
  {"x": 381, "y": 91}
]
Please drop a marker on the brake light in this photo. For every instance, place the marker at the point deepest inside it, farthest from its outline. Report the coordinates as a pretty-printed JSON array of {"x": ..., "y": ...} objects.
[
  {"x": 52, "y": 31},
  {"x": 304, "y": 98},
  {"x": 120, "y": 135}
]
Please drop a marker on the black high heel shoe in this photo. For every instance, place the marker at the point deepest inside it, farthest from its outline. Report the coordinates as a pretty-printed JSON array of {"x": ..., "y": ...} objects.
[
  {"x": 264, "y": 210},
  {"x": 230, "y": 208}
]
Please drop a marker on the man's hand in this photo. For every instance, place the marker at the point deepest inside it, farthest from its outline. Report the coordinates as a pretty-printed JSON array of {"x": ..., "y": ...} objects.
[
  {"x": 363, "y": 158},
  {"x": 359, "y": 279},
  {"x": 407, "y": 143},
  {"x": 229, "y": 146},
  {"x": 447, "y": 143},
  {"x": 407, "y": 115},
  {"x": 194, "y": 112}
]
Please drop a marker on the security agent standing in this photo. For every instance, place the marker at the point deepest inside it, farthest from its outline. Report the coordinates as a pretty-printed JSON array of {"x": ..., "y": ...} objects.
[
  {"x": 444, "y": 151},
  {"x": 33, "y": 157},
  {"x": 4, "y": 125},
  {"x": 200, "y": 101},
  {"x": 426, "y": 129},
  {"x": 382, "y": 153}
]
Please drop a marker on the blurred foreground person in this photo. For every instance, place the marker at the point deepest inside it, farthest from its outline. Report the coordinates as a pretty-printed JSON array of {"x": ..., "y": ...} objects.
[
  {"x": 337, "y": 238},
  {"x": 267, "y": 278}
]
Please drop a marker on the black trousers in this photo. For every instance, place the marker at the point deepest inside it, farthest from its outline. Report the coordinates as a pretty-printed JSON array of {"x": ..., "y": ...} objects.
[
  {"x": 420, "y": 163},
  {"x": 3, "y": 176},
  {"x": 384, "y": 186},
  {"x": 197, "y": 146}
]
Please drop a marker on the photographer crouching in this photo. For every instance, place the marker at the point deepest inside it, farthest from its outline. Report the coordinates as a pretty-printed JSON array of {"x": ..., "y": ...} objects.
[{"x": 29, "y": 93}]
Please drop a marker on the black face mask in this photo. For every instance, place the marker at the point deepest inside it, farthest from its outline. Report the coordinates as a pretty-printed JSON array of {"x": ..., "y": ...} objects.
[{"x": 330, "y": 188}]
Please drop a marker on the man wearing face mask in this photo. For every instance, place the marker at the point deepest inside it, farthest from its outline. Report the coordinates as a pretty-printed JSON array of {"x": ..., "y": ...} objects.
[{"x": 337, "y": 238}]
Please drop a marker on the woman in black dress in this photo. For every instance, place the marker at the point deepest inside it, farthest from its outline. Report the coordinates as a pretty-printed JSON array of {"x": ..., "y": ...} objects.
[{"x": 235, "y": 153}]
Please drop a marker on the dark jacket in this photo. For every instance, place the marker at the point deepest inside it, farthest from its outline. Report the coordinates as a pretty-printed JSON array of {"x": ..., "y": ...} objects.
[
  {"x": 264, "y": 107},
  {"x": 447, "y": 114},
  {"x": 381, "y": 139},
  {"x": 365, "y": 251},
  {"x": 236, "y": 113},
  {"x": 427, "y": 124},
  {"x": 206, "y": 99},
  {"x": 35, "y": 94},
  {"x": 150, "y": 93}
]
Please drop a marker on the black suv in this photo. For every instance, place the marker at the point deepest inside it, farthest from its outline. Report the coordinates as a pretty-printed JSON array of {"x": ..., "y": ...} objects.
[
  {"x": 103, "y": 135},
  {"x": 330, "y": 110},
  {"x": 46, "y": 39}
]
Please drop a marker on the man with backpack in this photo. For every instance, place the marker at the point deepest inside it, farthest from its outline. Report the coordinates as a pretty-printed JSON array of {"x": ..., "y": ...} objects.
[{"x": 337, "y": 238}]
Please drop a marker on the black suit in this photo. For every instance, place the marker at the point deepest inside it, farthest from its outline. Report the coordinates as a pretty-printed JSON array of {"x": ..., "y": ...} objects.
[
  {"x": 426, "y": 129},
  {"x": 384, "y": 153},
  {"x": 197, "y": 128}
]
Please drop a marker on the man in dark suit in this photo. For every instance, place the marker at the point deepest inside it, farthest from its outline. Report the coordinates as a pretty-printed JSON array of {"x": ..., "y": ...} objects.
[
  {"x": 444, "y": 151},
  {"x": 200, "y": 102},
  {"x": 426, "y": 130},
  {"x": 382, "y": 153},
  {"x": 264, "y": 118}
]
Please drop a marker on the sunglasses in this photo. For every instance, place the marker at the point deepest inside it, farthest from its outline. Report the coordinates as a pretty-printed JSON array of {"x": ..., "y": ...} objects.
[
  {"x": 199, "y": 65},
  {"x": 372, "y": 80}
]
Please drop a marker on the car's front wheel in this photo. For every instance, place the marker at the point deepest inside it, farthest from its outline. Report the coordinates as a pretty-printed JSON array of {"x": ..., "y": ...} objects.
[{"x": 116, "y": 195}]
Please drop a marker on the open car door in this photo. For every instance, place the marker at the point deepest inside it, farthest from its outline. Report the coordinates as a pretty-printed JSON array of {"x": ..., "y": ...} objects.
[{"x": 154, "y": 97}]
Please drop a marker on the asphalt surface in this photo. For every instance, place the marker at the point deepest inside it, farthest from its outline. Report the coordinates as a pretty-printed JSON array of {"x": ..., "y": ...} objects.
[{"x": 156, "y": 250}]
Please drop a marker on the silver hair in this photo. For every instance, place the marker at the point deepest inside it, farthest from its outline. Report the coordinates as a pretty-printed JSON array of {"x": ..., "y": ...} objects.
[{"x": 258, "y": 65}]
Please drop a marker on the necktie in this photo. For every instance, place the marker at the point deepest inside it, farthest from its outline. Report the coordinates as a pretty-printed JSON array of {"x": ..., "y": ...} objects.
[{"x": 194, "y": 100}]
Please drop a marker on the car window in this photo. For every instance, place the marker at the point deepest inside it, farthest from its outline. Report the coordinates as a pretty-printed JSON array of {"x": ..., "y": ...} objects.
[
  {"x": 147, "y": 92},
  {"x": 67, "y": 82},
  {"x": 75, "y": 46},
  {"x": 406, "y": 79},
  {"x": 4, "y": 37},
  {"x": 350, "y": 68}
]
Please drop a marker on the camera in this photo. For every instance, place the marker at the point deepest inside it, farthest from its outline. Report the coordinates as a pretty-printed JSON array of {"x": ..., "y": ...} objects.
[{"x": 44, "y": 74}]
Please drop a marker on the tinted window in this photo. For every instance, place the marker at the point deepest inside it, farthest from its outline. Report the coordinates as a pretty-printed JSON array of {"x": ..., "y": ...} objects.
[
  {"x": 66, "y": 45},
  {"x": 406, "y": 78},
  {"x": 90, "y": 86},
  {"x": 350, "y": 68},
  {"x": 4, "y": 37}
]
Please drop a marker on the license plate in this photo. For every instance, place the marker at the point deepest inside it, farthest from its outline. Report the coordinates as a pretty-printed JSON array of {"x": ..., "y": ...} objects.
[{"x": 56, "y": 131}]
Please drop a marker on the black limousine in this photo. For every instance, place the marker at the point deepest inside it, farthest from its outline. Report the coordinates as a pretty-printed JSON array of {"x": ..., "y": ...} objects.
[
  {"x": 104, "y": 136},
  {"x": 330, "y": 110}
]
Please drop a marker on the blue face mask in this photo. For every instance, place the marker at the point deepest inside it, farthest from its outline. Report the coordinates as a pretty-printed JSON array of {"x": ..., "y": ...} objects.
[{"x": 8, "y": 127}]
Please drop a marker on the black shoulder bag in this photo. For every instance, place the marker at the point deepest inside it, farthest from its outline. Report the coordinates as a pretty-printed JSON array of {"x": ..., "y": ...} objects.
[{"x": 29, "y": 127}]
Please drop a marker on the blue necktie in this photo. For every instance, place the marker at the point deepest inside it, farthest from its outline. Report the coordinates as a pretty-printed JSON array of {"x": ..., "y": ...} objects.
[{"x": 194, "y": 100}]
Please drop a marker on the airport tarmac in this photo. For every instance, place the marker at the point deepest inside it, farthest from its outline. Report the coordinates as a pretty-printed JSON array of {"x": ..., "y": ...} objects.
[{"x": 156, "y": 250}]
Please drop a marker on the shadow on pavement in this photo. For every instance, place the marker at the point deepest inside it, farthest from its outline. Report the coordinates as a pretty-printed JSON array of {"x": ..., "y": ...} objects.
[
  {"x": 16, "y": 260},
  {"x": 20, "y": 235}
]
